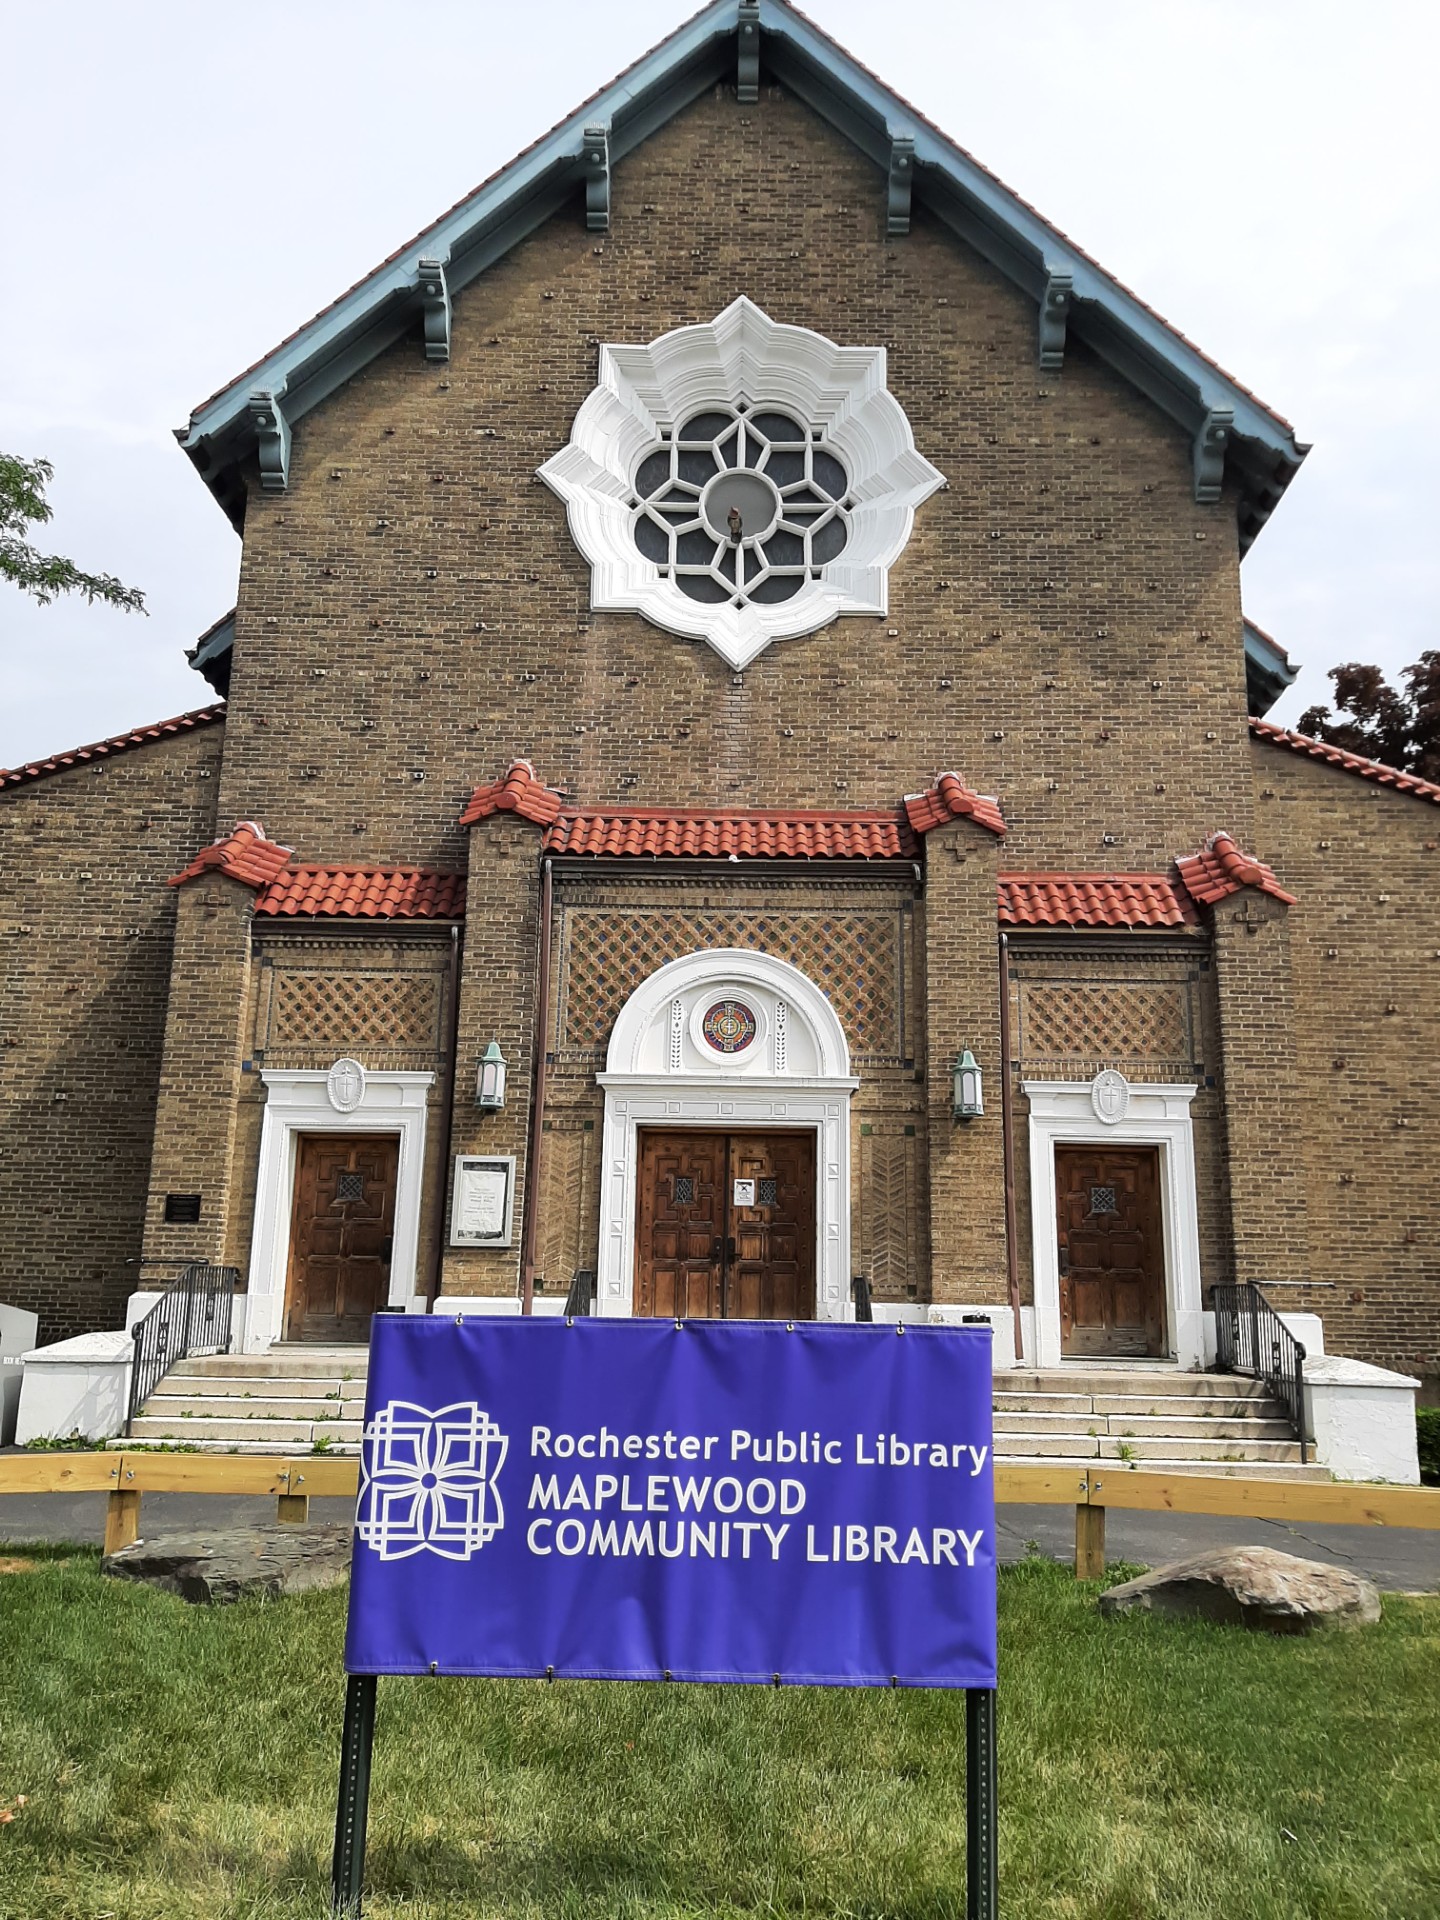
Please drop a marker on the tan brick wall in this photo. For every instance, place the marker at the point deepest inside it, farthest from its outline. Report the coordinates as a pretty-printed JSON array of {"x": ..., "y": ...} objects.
[
  {"x": 1064, "y": 625},
  {"x": 1365, "y": 957},
  {"x": 86, "y": 924}
]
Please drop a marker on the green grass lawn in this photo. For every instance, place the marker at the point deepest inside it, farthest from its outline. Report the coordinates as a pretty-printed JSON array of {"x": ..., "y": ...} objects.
[{"x": 176, "y": 1761}]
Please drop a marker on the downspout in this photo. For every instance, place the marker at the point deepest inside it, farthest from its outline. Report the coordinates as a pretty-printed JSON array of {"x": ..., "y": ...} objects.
[
  {"x": 442, "y": 1171},
  {"x": 537, "y": 1100},
  {"x": 1012, "y": 1251}
]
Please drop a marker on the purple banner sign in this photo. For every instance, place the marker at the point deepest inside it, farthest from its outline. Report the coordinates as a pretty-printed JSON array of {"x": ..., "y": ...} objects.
[{"x": 702, "y": 1500}]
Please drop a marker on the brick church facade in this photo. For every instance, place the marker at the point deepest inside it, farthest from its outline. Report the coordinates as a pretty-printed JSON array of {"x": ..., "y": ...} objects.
[{"x": 879, "y": 597}]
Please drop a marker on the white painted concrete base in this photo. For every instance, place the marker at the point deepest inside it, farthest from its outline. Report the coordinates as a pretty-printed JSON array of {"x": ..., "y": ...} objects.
[
  {"x": 501, "y": 1305},
  {"x": 79, "y": 1386},
  {"x": 1002, "y": 1327},
  {"x": 1362, "y": 1420},
  {"x": 17, "y": 1335}
]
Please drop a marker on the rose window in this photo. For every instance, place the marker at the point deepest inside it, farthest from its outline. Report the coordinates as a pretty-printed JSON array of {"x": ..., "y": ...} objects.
[
  {"x": 741, "y": 505},
  {"x": 741, "y": 481}
]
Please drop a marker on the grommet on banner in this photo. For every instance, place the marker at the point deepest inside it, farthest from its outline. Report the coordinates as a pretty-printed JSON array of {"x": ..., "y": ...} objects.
[
  {"x": 900, "y": 1326},
  {"x": 667, "y": 1670},
  {"x": 459, "y": 1320},
  {"x": 774, "y": 1679},
  {"x": 679, "y": 1326},
  {"x": 789, "y": 1326},
  {"x": 549, "y": 1673},
  {"x": 435, "y": 1666},
  {"x": 894, "y": 1679}
]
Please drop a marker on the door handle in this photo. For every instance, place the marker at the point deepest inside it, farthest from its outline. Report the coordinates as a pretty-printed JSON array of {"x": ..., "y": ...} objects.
[
  {"x": 717, "y": 1248},
  {"x": 730, "y": 1247}
]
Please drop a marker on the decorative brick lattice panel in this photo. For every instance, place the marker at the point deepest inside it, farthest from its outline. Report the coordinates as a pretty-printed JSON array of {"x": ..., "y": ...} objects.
[
  {"x": 1112, "y": 1022},
  {"x": 853, "y": 957},
  {"x": 367, "y": 1013},
  {"x": 885, "y": 1219}
]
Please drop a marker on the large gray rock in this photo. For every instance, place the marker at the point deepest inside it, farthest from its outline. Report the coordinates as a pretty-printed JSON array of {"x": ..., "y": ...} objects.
[
  {"x": 232, "y": 1562},
  {"x": 1251, "y": 1587}
]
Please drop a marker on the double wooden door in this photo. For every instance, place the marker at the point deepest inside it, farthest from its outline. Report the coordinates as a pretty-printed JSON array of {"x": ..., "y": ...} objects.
[
  {"x": 725, "y": 1226},
  {"x": 341, "y": 1229},
  {"x": 1112, "y": 1251}
]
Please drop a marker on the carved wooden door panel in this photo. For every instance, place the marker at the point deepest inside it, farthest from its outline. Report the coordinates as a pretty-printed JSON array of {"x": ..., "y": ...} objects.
[
  {"x": 680, "y": 1225},
  {"x": 700, "y": 1252},
  {"x": 341, "y": 1231},
  {"x": 771, "y": 1272},
  {"x": 1112, "y": 1251}
]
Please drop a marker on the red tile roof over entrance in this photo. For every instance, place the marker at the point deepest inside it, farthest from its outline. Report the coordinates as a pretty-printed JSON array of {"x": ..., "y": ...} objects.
[
  {"x": 742, "y": 836},
  {"x": 1220, "y": 868},
  {"x": 244, "y": 855},
  {"x": 1093, "y": 900},
  {"x": 1375, "y": 770},
  {"x": 364, "y": 893},
  {"x": 117, "y": 743}
]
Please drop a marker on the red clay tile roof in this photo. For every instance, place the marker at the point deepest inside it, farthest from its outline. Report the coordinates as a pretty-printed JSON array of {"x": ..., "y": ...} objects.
[
  {"x": 698, "y": 835},
  {"x": 1375, "y": 770},
  {"x": 364, "y": 893},
  {"x": 244, "y": 855},
  {"x": 948, "y": 798},
  {"x": 1093, "y": 900},
  {"x": 1220, "y": 868},
  {"x": 117, "y": 743},
  {"x": 518, "y": 791}
]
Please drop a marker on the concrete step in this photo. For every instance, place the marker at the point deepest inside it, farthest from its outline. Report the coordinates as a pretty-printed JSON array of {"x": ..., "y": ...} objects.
[
  {"x": 234, "y": 1406},
  {"x": 1122, "y": 1425},
  {"x": 1130, "y": 1383},
  {"x": 1167, "y": 1447},
  {"x": 280, "y": 1363},
  {"x": 278, "y": 1436}
]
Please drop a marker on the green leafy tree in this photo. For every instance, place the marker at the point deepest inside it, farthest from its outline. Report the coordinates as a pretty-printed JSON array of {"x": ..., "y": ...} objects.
[
  {"x": 46, "y": 576},
  {"x": 1400, "y": 727}
]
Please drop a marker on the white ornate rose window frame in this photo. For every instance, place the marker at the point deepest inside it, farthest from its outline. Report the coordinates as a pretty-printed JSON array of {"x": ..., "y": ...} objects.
[
  {"x": 1110, "y": 1111},
  {"x": 794, "y": 1074},
  {"x": 347, "y": 1098},
  {"x": 741, "y": 359}
]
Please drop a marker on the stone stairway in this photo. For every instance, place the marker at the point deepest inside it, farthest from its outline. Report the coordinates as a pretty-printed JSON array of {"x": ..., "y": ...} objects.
[
  {"x": 289, "y": 1400},
  {"x": 1150, "y": 1416},
  {"x": 300, "y": 1399}
]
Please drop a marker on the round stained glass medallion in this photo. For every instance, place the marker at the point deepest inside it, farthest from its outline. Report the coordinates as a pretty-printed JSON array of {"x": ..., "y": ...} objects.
[{"x": 728, "y": 1026}]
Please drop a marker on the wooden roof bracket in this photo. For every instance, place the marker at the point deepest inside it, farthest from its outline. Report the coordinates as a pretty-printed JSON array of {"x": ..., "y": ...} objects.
[
  {"x": 434, "y": 295},
  {"x": 747, "y": 76},
  {"x": 1211, "y": 442},
  {"x": 272, "y": 437},
  {"x": 1055, "y": 304},
  {"x": 595, "y": 159},
  {"x": 902, "y": 179}
]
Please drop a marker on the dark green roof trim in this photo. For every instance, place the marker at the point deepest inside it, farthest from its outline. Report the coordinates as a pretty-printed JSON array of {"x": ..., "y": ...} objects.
[
  {"x": 1234, "y": 434},
  {"x": 211, "y": 653},
  {"x": 1268, "y": 670}
]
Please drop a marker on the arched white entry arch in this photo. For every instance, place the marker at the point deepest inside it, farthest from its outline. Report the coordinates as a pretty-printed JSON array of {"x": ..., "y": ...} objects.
[{"x": 661, "y": 1072}]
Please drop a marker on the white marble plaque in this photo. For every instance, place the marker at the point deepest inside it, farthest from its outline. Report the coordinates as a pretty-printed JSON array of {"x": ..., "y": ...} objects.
[{"x": 482, "y": 1201}]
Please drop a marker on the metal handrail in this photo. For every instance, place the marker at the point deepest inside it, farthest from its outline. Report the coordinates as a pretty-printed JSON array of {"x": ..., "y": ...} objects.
[
  {"x": 1250, "y": 1337},
  {"x": 193, "y": 1315}
]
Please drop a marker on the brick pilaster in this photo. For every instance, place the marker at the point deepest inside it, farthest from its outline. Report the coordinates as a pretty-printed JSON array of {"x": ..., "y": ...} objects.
[
  {"x": 1262, "y": 1089},
  {"x": 498, "y": 981},
  {"x": 967, "y": 1185},
  {"x": 195, "y": 1116}
]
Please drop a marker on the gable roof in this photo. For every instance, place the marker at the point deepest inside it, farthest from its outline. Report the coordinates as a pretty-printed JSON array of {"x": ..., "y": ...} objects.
[
  {"x": 1355, "y": 763},
  {"x": 117, "y": 743},
  {"x": 1234, "y": 432},
  {"x": 243, "y": 854}
]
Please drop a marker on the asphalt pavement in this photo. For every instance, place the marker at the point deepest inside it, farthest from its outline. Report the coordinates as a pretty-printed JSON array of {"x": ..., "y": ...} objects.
[{"x": 1397, "y": 1559}]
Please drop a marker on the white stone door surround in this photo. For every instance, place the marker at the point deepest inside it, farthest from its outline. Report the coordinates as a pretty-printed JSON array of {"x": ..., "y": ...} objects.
[
  {"x": 345, "y": 1099},
  {"x": 660, "y": 1072},
  {"x": 1110, "y": 1111}
]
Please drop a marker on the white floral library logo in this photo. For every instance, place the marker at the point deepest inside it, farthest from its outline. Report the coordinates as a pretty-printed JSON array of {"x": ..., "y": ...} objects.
[{"x": 427, "y": 1481}]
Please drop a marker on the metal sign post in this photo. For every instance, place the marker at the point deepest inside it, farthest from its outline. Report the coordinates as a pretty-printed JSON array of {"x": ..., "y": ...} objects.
[{"x": 754, "y": 1502}]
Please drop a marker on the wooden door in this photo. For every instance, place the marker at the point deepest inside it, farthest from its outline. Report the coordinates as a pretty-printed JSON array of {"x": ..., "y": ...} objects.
[
  {"x": 341, "y": 1229},
  {"x": 701, "y": 1253},
  {"x": 1112, "y": 1251}
]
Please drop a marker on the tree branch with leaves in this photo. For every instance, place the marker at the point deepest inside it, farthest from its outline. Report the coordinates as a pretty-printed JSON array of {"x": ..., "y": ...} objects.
[
  {"x": 45, "y": 576},
  {"x": 1379, "y": 722}
]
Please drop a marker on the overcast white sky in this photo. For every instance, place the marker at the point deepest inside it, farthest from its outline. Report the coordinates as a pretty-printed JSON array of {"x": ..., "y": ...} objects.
[{"x": 186, "y": 183}]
